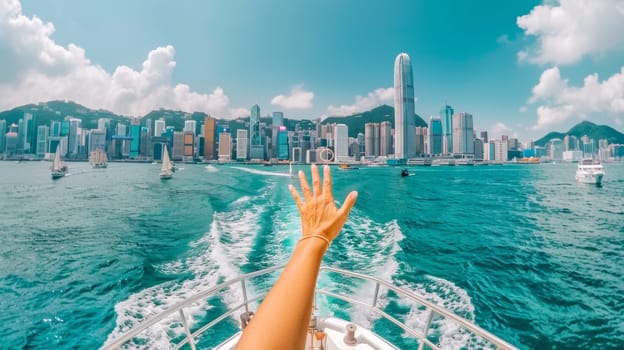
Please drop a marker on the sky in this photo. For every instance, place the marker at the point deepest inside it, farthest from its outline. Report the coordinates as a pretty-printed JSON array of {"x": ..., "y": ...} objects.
[{"x": 521, "y": 68}]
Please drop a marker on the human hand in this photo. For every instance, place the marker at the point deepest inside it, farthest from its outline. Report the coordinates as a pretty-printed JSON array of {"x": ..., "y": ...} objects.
[{"x": 319, "y": 215}]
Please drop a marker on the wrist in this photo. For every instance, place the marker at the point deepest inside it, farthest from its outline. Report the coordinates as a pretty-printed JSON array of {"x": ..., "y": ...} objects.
[{"x": 314, "y": 242}]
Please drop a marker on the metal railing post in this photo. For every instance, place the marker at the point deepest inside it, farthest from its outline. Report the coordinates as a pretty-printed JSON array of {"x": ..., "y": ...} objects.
[
  {"x": 426, "y": 330},
  {"x": 245, "y": 295},
  {"x": 376, "y": 294},
  {"x": 189, "y": 336}
]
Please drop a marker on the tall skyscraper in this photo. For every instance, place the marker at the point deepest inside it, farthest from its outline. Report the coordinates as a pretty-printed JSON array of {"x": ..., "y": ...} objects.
[
  {"x": 278, "y": 120},
  {"x": 446, "y": 115},
  {"x": 484, "y": 136},
  {"x": 463, "y": 133},
  {"x": 385, "y": 139},
  {"x": 42, "y": 140},
  {"x": 27, "y": 133},
  {"x": 190, "y": 126},
  {"x": 210, "y": 127},
  {"x": 421, "y": 134},
  {"x": 241, "y": 144},
  {"x": 256, "y": 150},
  {"x": 404, "y": 113},
  {"x": 2, "y": 134},
  {"x": 225, "y": 146},
  {"x": 159, "y": 127},
  {"x": 435, "y": 136},
  {"x": 371, "y": 139},
  {"x": 341, "y": 142}
]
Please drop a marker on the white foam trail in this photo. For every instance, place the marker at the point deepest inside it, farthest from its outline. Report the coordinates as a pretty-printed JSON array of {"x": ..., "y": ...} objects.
[
  {"x": 262, "y": 172},
  {"x": 214, "y": 258},
  {"x": 211, "y": 168}
]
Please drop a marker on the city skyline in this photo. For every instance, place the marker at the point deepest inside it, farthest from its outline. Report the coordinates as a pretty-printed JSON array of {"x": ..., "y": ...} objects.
[{"x": 504, "y": 66}]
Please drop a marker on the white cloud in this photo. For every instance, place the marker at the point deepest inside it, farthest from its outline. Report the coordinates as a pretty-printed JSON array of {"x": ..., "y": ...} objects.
[
  {"x": 499, "y": 129},
  {"x": 568, "y": 30},
  {"x": 363, "y": 103},
  {"x": 523, "y": 109},
  {"x": 34, "y": 68},
  {"x": 297, "y": 99},
  {"x": 560, "y": 101}
]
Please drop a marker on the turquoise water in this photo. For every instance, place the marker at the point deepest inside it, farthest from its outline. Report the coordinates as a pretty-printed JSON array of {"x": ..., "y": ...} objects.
[{"x": 524, "y": 251}]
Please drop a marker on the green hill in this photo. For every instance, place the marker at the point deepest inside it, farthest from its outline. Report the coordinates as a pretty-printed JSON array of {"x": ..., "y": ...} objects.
[
  {"x": 593, "y": 131},
  {"x": 379, "y": 114}
]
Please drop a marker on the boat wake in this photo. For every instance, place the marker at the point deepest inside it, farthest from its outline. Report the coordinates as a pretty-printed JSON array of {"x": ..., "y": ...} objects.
[
  {"x": 211, "y": 168},
  {"x": 262, "y": 172}
]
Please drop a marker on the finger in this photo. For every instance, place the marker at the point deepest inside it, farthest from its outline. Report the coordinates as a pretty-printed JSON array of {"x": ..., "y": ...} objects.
[
  {"x": 295, "y": 195},
  {"x": 327, "y": 183},
  {"x": 305, "y": 188},
  {"x": 348, "y": 204},
  {"x": 316, "y": 180}
]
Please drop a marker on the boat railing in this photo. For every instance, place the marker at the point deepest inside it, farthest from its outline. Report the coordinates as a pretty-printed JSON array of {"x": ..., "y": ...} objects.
[{"x": 422, "y": 336}]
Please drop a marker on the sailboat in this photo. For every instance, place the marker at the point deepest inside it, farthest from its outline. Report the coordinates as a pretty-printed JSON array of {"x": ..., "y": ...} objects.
[
  {"x": 98, "y": 159},
  {"x": 58, "y": 168},
  {"x": 166, "y": 171}
]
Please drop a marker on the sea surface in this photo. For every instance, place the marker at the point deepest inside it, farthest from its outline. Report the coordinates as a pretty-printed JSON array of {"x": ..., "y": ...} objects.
[{"x": 522, "y": 250}]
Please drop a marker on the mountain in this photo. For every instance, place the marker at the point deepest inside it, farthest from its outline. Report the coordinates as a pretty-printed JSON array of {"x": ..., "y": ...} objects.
[
  {"x": 379, "y": 114},
  {"x": 593, "y": 131}
]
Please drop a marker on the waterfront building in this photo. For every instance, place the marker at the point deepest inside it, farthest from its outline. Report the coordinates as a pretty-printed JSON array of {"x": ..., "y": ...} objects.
[
  {"x": 513, "y": 144},
  {"x": 135, "y": 134},
  {"x": 484, "y": 136},
  {"x": 556, "y": 149},
  {"x": 178, "y": 146},
  {"x": 225, "y": 146},
  {"x": 190, "y": 126},
  {"x": 159, "y": 127},
  {"x": 436, "y": 136},
  {"x": 55, "y": 128},
  {"x": 446, "y": 116},
  {"x": 210, "y": 128},
  {"x": 341, "y": 142},
  {"x": 572, "y": 156},
  {"x": 278, "y": 121},
  {"x": 103, "y": 124},
  {"x": 11, "y": 140},
  {"x": 463, "y": 134},
  {"x": 404, "y": 112},
  {"x": 242, "y": 144},
  {"x": 421, "y": 134},
  {"x": 570, "y": 143},
  {"x": 188, "y": 152},
  {"x": 588, "y": 146},
  {"x": 27, "y": 133},
  {"x": 500, "y": 150},
  {"x": 74, "y": 135},
  {"x": 42, "y": 140},
  {"x": 371, "y": 139},
  {"x": 2, "y": 135},
  {"x": 385, "y": 139},
  {"x": 145, "y": 147},
  {"x": 97, "y": 139},
  {"x": 478, "y": 149},
  {"x": 256, "y": 149},
  {"x": 282, "y": 143}
]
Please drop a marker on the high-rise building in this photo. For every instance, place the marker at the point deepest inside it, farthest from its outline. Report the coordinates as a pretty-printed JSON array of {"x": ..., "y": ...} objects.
[
  {"x": 463, "y": 133},
  {"x": 385, "y": 139},
  {"x": 97, "y": 139},
  {"x": 282, "y": 143},
  {"x": 242, "y": 144},
  {"x": 278, "y": 120},
  {"x": 341, "y": 142},
  {"x": 178, "y": 146},
  {"x": 28, "y": 132},
  {"x": 42, "y": 140},
  {"x": 478, "y": 149},
  {"x": 225, "y": 146},
  {"x": 371, "y": 139},
  {"x": 159, "y": 127},
  {"x": 2, "y": 135},
  {"x": 484, "y": 136},
  {"x": 189, "y": 145},
  {"x": 500, "y": 150},
  {"x": 436, "y": 136},
  {"x": 421, "y": 133},
  {"x": 74, "y": 135},
  {"x": 190, "y": 126},
  {"x": 135, "y": 134},
  {"x": 446, "y": 116},
  {"x": 210, "y": 128},
  {"x": 256, "y": 149},
  {"x": 404, "y": 112}
]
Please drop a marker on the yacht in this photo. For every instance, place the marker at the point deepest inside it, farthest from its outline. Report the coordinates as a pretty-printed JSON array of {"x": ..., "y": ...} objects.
[
  {"x": 590, "y": 171},
  {"x": 59, "y": 169},
  {"x": 98, "y": 159},
  {"x": 183, "y": 327},
  {"x": 166, "y": 171}
]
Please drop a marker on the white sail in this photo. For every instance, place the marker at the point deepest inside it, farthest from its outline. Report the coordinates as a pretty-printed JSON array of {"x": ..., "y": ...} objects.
[
  {"x": 57, "y": 160},
  {"x": 166, "y": 171}
]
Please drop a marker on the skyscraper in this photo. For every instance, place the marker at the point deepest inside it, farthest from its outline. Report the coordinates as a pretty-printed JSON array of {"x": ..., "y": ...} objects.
[
  {"x": 341, "y": 142},
  {"x": 385, "y": 138},
  {"x": 446, "y": 115},
  {"x": 463, "y": 133},
  {"x": 278, "y": 120},
  {"x": 435, "y": 136},
  {"x": 241, "y": 144},
  {"x": 256, "y": 150},
  {"x": 404, "y": 116},
  {"x": 159, "y": 127},
  {"x": 2, "y": 134},
  {"x": 210, "y": 127}
]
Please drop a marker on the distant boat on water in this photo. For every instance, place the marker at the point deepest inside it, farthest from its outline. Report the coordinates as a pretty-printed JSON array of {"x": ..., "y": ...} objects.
[
  {"x": 98, "y": 159},
  {"x": 590, "y": 171},
  {"x": 59, "y": 169},
  {"x": 166, "y": 170}
]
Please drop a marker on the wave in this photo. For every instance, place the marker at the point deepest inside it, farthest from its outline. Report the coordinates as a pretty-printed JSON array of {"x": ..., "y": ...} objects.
[
  {"x": 211, "y": 168},
  {"x": 213, "y": 258},
  {"x": 262, "y": 172}
]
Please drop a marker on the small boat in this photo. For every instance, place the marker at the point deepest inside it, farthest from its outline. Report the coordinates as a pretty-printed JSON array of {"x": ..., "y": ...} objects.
[
  {"x": 404, "y": 173},
  {"x": 166, "y": 170},
  {"x": 590, "y": 171},
  {"x": 59, "y": 169},
  {"x": 346, "y": 166},
  {"x": 98, "y": 159}
]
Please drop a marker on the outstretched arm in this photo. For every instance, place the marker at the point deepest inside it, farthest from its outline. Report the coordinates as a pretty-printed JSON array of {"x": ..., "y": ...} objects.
[{"x": 282, "y": 319}]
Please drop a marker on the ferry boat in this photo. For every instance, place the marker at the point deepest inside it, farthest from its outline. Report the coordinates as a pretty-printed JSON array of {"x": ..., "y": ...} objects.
[
  {"x": 443, "y": 162},
  {"x": 590, "y": 171},
  {"x": 325, "y": 331}
]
